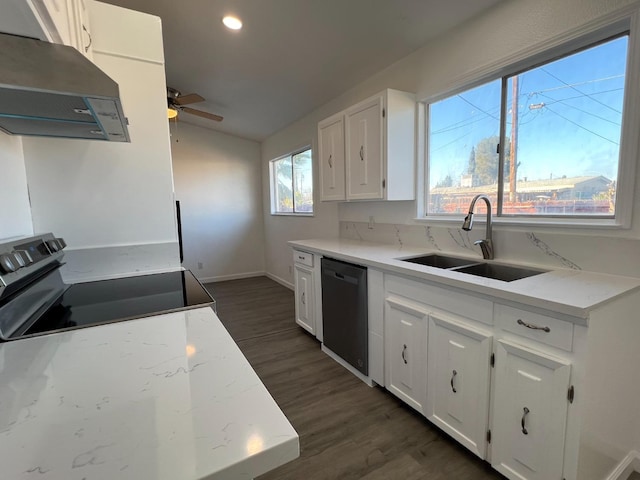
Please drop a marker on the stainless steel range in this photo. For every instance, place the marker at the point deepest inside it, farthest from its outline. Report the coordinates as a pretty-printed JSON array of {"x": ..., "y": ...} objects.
[{"x": 34, "y": 300}]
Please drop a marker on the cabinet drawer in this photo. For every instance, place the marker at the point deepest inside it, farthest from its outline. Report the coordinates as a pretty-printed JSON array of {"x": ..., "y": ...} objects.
[
  {"x": 544, "y": 329},
  {"x": 303, "y": 257}
]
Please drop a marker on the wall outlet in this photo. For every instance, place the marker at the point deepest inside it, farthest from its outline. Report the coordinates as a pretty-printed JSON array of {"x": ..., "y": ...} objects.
[{"x": 199, "y": 265}]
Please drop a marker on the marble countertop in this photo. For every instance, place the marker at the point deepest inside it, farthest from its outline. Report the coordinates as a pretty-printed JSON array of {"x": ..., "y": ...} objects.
[
  {"x": 574, "y": 293},
  {"x": 169, "y": 397}
]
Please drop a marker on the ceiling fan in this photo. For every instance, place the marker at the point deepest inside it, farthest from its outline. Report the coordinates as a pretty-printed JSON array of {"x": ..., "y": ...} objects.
[{"x": 176, "y": 103}]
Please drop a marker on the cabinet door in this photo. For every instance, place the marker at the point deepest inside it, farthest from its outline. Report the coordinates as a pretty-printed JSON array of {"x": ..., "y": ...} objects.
[
  {"x": 458, "y": 381},
  {"x": 57, "y": 16},
  {"x": 529, "y": 413},
  {"x": 364, "y": 160},
  {"x": 84, "y": 41},
  {"x": 331, "y": 158},
  {"x": 304, "y": 298},
  {"x": 405, "y": 350}
]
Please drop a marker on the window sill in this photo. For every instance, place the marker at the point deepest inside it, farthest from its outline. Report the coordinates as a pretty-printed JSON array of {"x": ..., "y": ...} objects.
[
  {"x": 551, "y": 223},
  {"x": 291, "y": 214}
]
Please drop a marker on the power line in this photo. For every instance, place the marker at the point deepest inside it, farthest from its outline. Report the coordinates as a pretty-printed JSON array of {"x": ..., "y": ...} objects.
[
  {"x": 567, "y": 85},
  {"x": 579, "y": 109},
  {"x": 478, "y": 108},
  {"x": 584, "y": 128},
  {"x": 574, "y": 88}
]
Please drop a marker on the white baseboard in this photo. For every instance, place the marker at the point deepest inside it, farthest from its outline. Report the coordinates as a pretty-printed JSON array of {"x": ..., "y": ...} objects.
[
  {"x": 223, "y": 278},
  {"x": 628, "y": 465},
  {"x": 346, "y": 365},
  {"x": 281, "y": 281}
]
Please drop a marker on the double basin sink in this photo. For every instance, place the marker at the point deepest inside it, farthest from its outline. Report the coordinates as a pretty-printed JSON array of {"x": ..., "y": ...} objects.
[{"x": 495, "y": 271}]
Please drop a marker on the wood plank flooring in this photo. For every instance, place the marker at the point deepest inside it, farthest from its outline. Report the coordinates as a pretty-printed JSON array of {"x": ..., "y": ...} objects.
[{"x": 347, "y": 429}]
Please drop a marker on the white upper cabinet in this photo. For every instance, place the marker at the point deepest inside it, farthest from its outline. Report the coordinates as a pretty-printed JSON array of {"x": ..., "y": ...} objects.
[
  {"x": 331, "y": 158},
  {"x": 59, "y": 21},
  {"x": 364, "y": 140},
  {"x": 379, "y": 150}
]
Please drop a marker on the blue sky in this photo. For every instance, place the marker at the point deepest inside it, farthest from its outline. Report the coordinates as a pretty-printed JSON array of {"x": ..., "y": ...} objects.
[{"x": 569, "y": 117}]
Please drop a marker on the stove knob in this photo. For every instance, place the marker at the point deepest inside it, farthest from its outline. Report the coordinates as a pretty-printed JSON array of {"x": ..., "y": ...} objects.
[
  {"x": 53, "y": 245},
  {"x": 8, "y": 263},
  {"x": 25, "y": 255},
  {"x": 61, "y": 242},
  {"x": 19, "y": 259}
]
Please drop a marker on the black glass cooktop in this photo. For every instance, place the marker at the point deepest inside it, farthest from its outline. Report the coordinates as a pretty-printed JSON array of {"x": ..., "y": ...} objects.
[{"x": 106, "y": 301}]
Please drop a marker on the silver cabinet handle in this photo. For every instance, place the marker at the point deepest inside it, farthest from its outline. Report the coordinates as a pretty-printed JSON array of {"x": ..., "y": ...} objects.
[
  {"x": 86, "y": 48},
  {"x": 300, "y": 257},
  {"x": 330, "y": 162},
  {"x": 532, "y": 326},
  {"x": 404, "y": 359},
  {"x": 453, "y": 375},
  {"x": 302, "y": 299},
  {"x": 362, "y": 153},
  {"x": 522, "y": 422}
]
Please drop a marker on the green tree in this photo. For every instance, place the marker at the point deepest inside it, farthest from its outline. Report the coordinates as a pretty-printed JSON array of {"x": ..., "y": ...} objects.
[
  {"x": 445, "y": 182},
  {"x": 471, "y": 167},
  {"x": 485, "y": 161}
]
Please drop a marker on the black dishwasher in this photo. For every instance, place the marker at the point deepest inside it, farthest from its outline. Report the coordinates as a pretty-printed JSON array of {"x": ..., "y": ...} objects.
[{"x": 344, "y": 312}]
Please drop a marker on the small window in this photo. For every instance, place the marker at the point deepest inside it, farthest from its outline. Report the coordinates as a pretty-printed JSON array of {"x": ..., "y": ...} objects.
[
  {"x": 292, "y": 184},
  {"x": 543, "y": 142}
]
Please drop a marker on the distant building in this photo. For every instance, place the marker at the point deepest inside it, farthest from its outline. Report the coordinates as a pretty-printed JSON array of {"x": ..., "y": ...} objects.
[{"x": 553, "y": 195}]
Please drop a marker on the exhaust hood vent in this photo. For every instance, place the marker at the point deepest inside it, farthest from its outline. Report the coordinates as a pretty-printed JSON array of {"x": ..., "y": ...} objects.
[{"x": 52, "y": 90}]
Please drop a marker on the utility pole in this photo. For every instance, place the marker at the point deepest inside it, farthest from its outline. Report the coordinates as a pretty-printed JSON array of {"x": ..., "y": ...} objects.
[{"x": 513, "y": 161}]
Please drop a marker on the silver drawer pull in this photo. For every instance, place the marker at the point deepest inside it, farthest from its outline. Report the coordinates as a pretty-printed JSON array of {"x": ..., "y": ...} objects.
[
  {"x": 330, "y": 162},
  {"x": 404, "y": 358},
  {"x": 453, "y": 376},
  {"x": 532, "y": 326},
  {"x": 525, "y": 411},
  {"x": 300, "y": 258}
]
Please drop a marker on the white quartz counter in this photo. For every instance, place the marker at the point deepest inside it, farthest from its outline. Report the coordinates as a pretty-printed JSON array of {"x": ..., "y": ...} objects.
[
  {"x": 570, "y": 292},
  {"x": 169, "y": 397}
]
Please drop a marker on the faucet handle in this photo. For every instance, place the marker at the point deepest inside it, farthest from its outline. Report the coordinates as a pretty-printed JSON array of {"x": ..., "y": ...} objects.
[{"x": 486, "y": 246}]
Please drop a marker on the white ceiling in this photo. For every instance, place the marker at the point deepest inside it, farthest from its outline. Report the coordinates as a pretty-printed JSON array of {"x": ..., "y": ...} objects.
[{"x": 292, "y": 56}]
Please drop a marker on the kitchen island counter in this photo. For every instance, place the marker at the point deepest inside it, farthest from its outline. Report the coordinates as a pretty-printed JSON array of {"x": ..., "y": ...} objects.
[{"x": 164, "y": 397}]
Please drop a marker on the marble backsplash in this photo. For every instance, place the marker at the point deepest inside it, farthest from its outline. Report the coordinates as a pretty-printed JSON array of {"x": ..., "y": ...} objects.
[{"x": 618, "y": 256}]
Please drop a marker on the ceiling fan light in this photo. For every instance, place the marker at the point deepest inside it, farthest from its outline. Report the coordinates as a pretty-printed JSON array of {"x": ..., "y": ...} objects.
[
  {"x": 231, "y": 22},
  {"x": 171, "y": 113}
]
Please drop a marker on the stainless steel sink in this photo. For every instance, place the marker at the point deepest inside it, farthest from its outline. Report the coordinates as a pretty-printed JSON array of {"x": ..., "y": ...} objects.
[
  {"x": 495, "y": 271},
  {"x": 506, "y": 273},
  {"x": 440, "y": 261}
]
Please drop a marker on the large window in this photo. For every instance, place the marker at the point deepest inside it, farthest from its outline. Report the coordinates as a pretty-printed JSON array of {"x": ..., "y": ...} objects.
[
  {"x": 542, "y": 142},
  {"x": 292, "y": 184}
]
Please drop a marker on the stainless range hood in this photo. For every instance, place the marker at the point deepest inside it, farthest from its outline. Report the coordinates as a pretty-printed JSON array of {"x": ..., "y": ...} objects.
[{"x": 52, "y": 90}]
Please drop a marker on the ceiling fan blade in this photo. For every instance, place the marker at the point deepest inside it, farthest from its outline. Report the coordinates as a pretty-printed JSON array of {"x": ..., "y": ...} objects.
[
  {"x": 187, "y": 99},
  {"x": 202, "y": 114}
]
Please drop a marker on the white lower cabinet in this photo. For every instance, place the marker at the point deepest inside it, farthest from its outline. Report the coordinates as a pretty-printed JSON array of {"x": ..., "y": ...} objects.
[
  {"x": 304, "y": 298},
  {"x": 304, "y": 275},
  {"x": 405, "y": 341},
  {"x": 529, "y": 413},
  {"x": 459, "y": 364}
]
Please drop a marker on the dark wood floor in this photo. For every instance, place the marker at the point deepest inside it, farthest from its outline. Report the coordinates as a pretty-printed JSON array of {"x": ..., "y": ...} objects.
[{"x": 347, "y": 429}]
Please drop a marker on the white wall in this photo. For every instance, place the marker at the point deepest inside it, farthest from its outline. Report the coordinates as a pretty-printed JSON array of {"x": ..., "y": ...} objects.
[
  {"x": 475, "y": 47},
  {"x": 101, "y": 193},
  {"x": 15, "y": 214},
  {"x": 218, "y": 183}
]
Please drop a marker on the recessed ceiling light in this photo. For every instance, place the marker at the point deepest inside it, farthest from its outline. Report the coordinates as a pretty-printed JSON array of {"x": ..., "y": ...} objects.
[{"x": 234, "y": 23}]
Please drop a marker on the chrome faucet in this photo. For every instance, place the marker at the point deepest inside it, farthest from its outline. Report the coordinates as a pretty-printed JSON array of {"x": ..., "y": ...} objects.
[{"x": 486, "y": 245}]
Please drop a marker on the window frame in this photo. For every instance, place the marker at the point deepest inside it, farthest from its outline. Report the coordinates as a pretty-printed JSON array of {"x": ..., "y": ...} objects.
[
  {"x": 532, "y": 57},
  {"x": 273, "y": 186}
]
